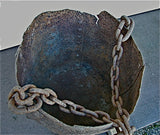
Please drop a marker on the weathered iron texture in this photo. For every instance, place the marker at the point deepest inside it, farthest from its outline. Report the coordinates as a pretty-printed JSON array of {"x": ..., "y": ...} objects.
[{"x": 71, "y": 52}]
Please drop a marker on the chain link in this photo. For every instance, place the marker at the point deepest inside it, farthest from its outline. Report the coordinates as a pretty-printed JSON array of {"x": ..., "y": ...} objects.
[{"x": 29, "y": 98}]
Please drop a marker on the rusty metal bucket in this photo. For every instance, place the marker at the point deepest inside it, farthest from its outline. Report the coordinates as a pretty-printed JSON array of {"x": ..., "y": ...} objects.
[{"x": 70, "y": 52}]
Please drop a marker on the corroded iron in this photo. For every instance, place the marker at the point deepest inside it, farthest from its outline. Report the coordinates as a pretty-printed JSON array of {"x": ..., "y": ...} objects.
[{"x": 70, "y": 52}]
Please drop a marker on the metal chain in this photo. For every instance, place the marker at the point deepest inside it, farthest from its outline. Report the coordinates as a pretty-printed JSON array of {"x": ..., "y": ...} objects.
[
  {"x": 29, "y": 98},
  {"x": 121, "y": 114}
]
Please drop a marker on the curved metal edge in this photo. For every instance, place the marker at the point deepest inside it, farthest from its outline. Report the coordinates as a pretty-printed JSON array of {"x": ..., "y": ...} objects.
[{"x": 61, "y": 128}]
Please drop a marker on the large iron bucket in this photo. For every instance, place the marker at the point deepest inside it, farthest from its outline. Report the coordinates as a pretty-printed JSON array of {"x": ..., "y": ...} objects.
[{"x": 71, "y": 52}]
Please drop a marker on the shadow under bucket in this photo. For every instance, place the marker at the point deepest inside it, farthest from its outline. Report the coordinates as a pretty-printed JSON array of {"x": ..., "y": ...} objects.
[{"x": 71, "y": 52}]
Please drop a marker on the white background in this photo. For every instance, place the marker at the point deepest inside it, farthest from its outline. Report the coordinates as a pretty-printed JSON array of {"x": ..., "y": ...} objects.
[{"x": 15, "y": 16}]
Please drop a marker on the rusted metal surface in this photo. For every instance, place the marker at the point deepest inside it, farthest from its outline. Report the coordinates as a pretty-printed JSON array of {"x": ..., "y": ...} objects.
[{"x": 70, "y": 52}]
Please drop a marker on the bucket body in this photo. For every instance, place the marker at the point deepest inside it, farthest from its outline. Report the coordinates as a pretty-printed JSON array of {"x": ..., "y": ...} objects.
[{"x": 71, "y": 52}]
